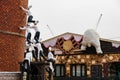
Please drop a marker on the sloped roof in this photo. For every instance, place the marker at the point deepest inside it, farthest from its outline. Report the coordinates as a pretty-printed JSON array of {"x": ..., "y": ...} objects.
[
  {"x": 79, "y": 35},
  {"x": 66, "y": 36},
  {"x": 108, "y": 46}
]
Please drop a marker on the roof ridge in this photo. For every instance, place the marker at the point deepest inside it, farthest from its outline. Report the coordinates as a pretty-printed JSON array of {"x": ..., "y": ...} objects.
[{"x": 103, "y": 39}]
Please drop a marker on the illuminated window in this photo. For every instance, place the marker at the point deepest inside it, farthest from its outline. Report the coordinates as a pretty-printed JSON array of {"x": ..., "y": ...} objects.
[
  {"x": 59, "y": 70},
  {"x": 78, "y": 70}
]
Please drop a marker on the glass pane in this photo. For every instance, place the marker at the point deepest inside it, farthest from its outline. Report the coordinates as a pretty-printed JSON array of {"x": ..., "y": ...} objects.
[
  {"x": 62, "y": 71},
  {"x": 57, "y": 70},
  {"x": 73, "y": 70},
  {"x": 78, "y": 72},
  {"x": 83, "y": 70}
]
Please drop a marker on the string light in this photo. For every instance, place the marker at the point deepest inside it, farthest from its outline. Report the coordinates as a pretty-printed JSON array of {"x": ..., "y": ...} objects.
[{"x": 111, "y": 57}]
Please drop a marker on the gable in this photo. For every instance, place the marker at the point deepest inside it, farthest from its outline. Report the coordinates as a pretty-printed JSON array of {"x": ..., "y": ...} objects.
[
  {"x": 58, "y": 42},
  {"x": 66, "y": 36}
]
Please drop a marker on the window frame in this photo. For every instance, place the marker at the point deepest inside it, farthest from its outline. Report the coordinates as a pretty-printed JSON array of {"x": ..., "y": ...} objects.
[
  {"x": 80, "y": 67},
  {"x": 96, "y": 70},
  {"x": 64, "y": 70}
]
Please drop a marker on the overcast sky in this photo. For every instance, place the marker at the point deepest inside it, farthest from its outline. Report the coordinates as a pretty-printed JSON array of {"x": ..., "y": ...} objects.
[{"x": 76, "y": 16}]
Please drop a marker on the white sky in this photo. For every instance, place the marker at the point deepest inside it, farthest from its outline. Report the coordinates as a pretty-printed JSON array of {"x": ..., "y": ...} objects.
[{"x": 76, "y": 16}]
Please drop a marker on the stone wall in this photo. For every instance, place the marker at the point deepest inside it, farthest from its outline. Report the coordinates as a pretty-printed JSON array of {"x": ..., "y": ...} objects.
[{"x": 9, "y": 75}]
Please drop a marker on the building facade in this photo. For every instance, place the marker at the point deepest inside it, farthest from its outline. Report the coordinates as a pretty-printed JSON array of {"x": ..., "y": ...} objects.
[
  {"x": 72, "y": 64},
  {"x": 11, "y": 37}
]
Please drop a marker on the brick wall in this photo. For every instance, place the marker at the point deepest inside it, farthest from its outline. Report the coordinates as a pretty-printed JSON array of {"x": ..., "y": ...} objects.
[{"x": 11, "y": 45}]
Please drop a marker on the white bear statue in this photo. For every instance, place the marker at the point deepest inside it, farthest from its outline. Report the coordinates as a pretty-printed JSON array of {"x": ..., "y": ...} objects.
[{"x": 91, "y": 38}]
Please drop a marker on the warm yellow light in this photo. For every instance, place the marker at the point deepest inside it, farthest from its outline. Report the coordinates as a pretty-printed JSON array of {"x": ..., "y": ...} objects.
[
  {"x": 104, "y": 60},
  {"x": 82, "y": 60},
  {"x": 67, "y": 68},
  {"x": 93, "y": 61},
  {"x": 69, "y": 61},
  {"x": 87, "y": 56},
  {"x": 111, "y": 57},
  {"x": 63, "y": 57},
  {"x": 88, "y": 72},
  {"x": 56, "y": 61},
  {"x": 78, "y": 56}
]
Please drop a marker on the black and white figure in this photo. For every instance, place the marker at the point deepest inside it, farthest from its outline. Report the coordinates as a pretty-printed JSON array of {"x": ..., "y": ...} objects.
[
  {"x": 32, "y": 45},
  {"x": 37, "y": 31},
  {"x": 26, "y": 62},
  {"x": 39, "y": 51},
  {"x": 28, "y": 33},
  {"x": 51, "y": 59},
  {"x": 27, "y": 11},
  {"x": 91, "y": 38},
  {"x": 28, "y": 58}
]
